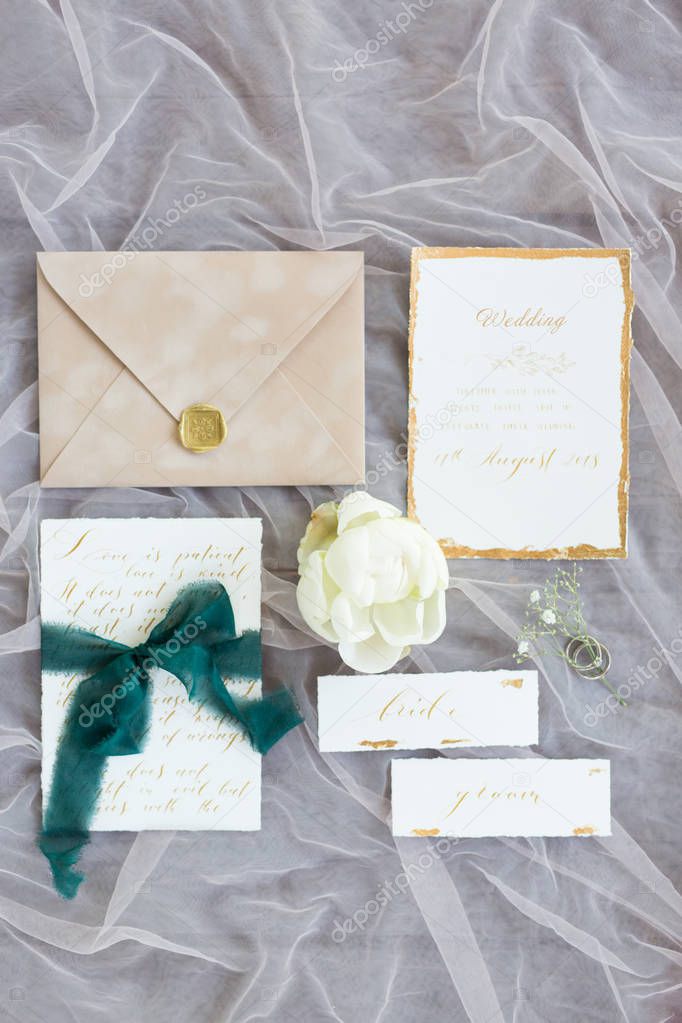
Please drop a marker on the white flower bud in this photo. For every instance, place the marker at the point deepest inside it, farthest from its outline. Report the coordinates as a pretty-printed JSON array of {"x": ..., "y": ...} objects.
[{"x": 370, "y": 580}]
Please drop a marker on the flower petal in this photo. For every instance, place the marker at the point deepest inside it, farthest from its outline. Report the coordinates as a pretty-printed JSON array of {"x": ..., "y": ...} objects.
[
  {"x": 433, "y": 568},
  {"x": 315, "y": 593},
  {"x": 434, "y": 617},
  {"x": 352, "y": 623},
  {"x": 401, "y": 623},
  {"x": 394, "y": 559},
  {"x": 320, "y": 531},
  {"x": 371, "y": 656},
  {"x": 358, "y": 508},
  {"x": 348, "y": 565}
]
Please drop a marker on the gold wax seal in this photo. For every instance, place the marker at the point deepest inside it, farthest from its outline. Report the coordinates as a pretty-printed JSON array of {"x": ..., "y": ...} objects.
[{"x": 202, "y": 428}]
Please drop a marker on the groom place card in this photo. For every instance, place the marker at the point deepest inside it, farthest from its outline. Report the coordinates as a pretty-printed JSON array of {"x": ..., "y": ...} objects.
[
  {"x": 519, "y": 389},
  {"x": 439, "y": 711},
  {"x": 481, "y": 798},
  {"x": 117, "y": 578}
]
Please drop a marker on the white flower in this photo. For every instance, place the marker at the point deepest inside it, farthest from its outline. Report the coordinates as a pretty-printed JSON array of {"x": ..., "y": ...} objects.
[
  {"x": 535, "y": 596},
  {"x": 523, "y": 648},
  {"x": 320, "y": 532},
  {"x": 371, "y": 581},
  {"x": 548, "y": 617}
]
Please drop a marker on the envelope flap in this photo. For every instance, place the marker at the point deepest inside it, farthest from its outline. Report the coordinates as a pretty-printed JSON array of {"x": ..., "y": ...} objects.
[{"x": 192, "y": 325}]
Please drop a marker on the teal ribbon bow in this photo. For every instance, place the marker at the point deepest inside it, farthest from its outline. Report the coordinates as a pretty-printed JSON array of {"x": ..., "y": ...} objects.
[{"x": 109, "y": 712}]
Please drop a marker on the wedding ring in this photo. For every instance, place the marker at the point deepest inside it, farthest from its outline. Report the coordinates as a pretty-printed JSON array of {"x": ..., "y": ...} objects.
[
  {"x": 202, "y": 428},
  {"x": 588, "y": 657}
]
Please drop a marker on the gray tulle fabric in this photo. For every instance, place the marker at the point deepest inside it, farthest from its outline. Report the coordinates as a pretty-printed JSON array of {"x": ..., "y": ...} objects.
[{"x": 317, "y": 125}]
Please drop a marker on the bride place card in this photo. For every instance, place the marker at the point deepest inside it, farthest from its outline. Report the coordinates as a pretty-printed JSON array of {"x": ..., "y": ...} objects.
[
  {"x": 519, "y": 390},
  {"x": 484, "y": 798},
  {"x": 439, "y": 711},
  {"x": 117, "y": 578}
]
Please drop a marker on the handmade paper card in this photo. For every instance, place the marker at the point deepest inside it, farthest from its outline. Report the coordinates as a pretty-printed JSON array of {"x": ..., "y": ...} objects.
[
  {"x": 478, "y": 798},
  {"x": 519, "y": 389},
  {"x": 116, "y": 578},
  {"x": 439, "y": 711}
]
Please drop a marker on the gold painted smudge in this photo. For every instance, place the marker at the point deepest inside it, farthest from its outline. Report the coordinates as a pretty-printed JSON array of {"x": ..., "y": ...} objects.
[
  {"x": 379, "y": 743},
  {"x": 597, "y": 770},
  {"x": 516, "y": 683},
  {"x": 426, "y": 832},
  {"x": 451, "y": 742},
  {"x": 587, "y": 830}
]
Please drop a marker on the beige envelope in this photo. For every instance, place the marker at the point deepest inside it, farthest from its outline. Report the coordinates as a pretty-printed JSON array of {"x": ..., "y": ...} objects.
[{"x": 128, "y": 340}]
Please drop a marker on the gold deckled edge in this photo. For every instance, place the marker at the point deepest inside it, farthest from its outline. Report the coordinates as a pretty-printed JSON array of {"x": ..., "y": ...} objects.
[
  {"x": 583, "y": 552},
  {"x": 412, "y": 412},
  {"x": 625, "y": 262}
]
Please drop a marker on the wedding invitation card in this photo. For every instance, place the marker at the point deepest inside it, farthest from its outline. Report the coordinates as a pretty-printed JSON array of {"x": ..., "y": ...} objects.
[
  {"x": 117, "y": 578},
  {"x": 437, "y": 711},
  {"x": 519, "y": 391},
  {"x": 484, "y": 798}
]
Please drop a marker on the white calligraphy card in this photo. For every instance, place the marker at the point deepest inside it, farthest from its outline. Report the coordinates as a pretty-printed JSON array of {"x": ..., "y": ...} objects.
[
  {"x": 117, "y": 578},
  {"x": 519, "y": 394},
  {"x": 439, "y": 711},
  {"x": 482, "y": 798}
]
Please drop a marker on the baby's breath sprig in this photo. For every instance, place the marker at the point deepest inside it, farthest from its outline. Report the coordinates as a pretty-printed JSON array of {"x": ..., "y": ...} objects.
[{"x": 554, "y": 615}]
